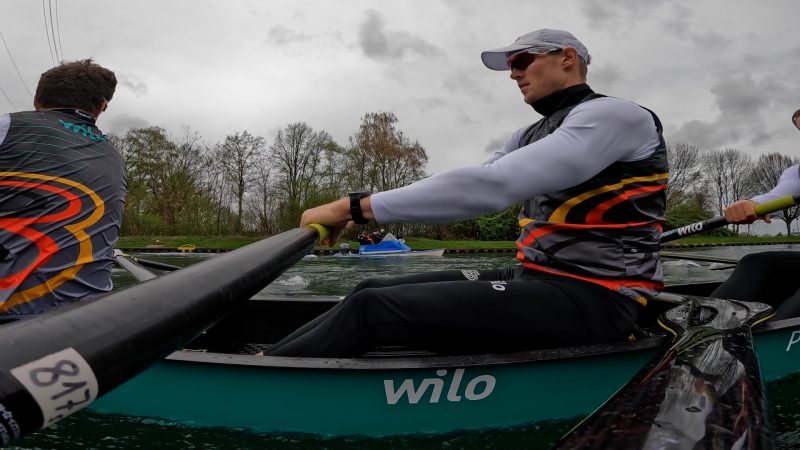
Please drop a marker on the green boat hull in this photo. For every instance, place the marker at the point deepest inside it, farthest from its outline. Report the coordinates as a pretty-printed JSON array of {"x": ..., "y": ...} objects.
[{"x": 394, "y": 395}]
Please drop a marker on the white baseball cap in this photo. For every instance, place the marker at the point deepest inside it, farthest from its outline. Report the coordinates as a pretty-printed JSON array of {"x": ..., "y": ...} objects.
[{"x": 544, "y": 40}]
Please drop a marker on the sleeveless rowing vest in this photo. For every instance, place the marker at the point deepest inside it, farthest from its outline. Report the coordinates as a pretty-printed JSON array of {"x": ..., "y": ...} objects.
[
  {"x": 62, "y": 192},
  {"x": 605, "y": 230}
]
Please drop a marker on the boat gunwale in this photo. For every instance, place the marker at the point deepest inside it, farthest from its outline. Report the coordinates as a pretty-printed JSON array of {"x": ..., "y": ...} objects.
[{"x": 440, "y": 361}]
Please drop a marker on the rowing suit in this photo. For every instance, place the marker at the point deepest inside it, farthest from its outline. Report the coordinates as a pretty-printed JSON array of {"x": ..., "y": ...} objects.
[
  {"x": 769, "y": 277},
  {"x": 591, "y": 176},
  {"x": 62, "y": 191}
]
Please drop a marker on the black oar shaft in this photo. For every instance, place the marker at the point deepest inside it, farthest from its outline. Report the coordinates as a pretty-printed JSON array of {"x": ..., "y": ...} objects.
[
  {"x": 156, "y": 264},
  {"x": 717, "y": 222},
  {"x": 57, "y": 363},
  {"x": 691, "y": 257}
]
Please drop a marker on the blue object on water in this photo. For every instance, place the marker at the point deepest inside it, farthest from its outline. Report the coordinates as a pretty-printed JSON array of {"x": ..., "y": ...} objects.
[{"x": 384, "y": 247}]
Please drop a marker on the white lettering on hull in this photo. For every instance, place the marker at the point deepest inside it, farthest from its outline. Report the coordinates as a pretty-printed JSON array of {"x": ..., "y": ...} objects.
[
  {"x": 793, "y": 339},
  {"x": 477, "y": 388}
]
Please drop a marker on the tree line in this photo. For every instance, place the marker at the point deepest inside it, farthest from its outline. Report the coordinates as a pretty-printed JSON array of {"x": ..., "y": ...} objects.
[
  {"x": 180, "y": 185},
  {"x": 244, "y": 185}
]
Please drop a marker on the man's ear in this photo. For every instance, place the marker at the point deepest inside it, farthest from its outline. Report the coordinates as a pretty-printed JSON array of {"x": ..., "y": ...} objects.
[
  {"x": 105, "y": 105},
  {"x": 36, "y": 105},
  {"x": 570, "y": 55}
]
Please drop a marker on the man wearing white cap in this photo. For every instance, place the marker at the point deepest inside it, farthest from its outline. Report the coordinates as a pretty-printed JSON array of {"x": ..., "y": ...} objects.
[{"x": 590, "y": 175}]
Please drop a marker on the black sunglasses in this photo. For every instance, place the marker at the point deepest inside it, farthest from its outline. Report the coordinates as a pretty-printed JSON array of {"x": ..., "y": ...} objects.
[{"x": 522, "y": 60}]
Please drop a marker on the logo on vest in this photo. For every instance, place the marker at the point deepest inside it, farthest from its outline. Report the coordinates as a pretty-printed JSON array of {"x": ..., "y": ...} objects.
[
  {"x": 86, "y": 131},
  {"x": 470, "y": 274}
]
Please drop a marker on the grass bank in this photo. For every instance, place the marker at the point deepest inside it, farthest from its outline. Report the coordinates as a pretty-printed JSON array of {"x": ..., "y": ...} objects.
[{"x": 233, "y": 242}]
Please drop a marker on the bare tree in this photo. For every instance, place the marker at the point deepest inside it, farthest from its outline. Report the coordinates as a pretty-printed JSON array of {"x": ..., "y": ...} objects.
[
  {"x": 238, "y": 156},
  {"x": 263, "y": 202},
  {"x": 685, "y": 173},
  {"x": 727, "y": 171},
  {"x": 383, "y": 157},
  {"x": 295, "y": 154}
]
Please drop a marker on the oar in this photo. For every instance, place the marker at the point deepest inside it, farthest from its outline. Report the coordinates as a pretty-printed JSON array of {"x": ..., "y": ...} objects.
[
  {"x": 703, "y": 392},
  {"x": 138, "y": 272},
  {"x": 704, "y": 258},
  {"x": 155, "y": 264},
  {"x": 57, "y": 363},
  {"x": 717, "y": 222}
]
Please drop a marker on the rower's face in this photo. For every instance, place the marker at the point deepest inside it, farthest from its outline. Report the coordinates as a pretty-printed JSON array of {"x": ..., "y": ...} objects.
[
  {"x": 542, "y": 76},
  {"x": 797, "y": 122}
]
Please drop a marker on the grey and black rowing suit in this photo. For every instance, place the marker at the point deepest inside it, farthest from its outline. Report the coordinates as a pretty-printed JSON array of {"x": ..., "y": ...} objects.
[
  {"x": 769, "y": 277},
  {"x": 591, "y": 176},
  {"x": 62, "y": 192}
]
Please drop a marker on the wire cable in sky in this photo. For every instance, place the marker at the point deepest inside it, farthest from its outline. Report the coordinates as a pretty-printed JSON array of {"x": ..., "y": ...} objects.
[
  {"x": 47, "y": 32},
  {"x": 53, "y": 30},
  {"x": 58, "y": 30},
  {"x": 14, "y": 63},
  {"x": 7, "y": 98}
]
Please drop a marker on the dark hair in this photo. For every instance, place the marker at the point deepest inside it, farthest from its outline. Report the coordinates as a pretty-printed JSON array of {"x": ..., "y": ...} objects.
[{"x": 76, "y": 84}]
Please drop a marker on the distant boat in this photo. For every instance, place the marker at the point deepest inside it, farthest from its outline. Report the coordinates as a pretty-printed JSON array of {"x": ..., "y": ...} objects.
[{"x": 388, "y": 246}]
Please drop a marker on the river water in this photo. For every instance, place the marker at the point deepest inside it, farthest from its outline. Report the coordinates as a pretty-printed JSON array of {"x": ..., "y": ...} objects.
[{"x": 327, "y": 275}]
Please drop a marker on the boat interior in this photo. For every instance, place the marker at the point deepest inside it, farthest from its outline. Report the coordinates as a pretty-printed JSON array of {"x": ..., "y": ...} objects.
[{"x": 254, "y": 325}]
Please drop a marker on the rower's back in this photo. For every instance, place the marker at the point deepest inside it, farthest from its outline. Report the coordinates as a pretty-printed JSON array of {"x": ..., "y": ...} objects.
[{"x": 62, "y": 192}]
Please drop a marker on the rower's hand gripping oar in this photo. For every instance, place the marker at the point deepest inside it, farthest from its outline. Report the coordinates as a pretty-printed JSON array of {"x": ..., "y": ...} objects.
[
  {"x": 717, "y": 222},
  {"x": 55, "y": 364},
  {"x": 704, "y": 391}
]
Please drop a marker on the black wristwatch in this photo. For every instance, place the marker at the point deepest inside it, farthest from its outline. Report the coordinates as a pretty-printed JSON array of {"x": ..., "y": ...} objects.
[{"x": 356, "y": 214}]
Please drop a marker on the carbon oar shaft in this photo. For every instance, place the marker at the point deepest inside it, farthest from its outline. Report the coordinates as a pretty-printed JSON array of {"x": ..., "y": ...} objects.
[
  {"x": 55, "y": 364},
  {"x": 691, "y": 257},
  {"x": 717, "y": 222},
  {"x": 156, "y": 264}
]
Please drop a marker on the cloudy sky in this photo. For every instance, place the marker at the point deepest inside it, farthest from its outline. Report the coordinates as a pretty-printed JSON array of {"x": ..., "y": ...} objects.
[{"x": 719, "y": 73}]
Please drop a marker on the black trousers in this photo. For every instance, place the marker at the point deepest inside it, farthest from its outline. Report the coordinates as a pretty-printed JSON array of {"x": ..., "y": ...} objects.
[
  {"x": 466, "y": 311},
  {"x": 766, "y": 277}
]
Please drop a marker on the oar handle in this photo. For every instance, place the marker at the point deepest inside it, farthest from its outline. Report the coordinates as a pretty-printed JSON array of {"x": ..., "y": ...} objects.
[
  {"x": 778, "y": 204},
  {"x": 717, "y": 222},
  {"x": 322, "y": 230}
]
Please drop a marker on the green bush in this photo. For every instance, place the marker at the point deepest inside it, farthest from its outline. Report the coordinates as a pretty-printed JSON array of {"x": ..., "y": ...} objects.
[{"x": 502, "y": 226}]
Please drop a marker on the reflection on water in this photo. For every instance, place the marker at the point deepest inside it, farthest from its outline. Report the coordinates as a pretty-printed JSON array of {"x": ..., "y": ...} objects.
[{"x": 327, "y": 275}]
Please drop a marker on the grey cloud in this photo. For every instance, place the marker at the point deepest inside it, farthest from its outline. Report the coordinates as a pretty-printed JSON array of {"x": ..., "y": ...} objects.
[
  {"x": 678, "y": 23},
  {"x": 617, "y": 16},
  {"x": 121, "y": 123},
  {"x": 710, "y": 40},
  {"x": 379, "y": 43},
  {"x": 426, "y": 104},
  {"x": 744, "y": 103},
  {"x": 281, "y": 35},
  {"x": 614, "y": 15},
  {"x": 604, "y": 77},
  {"x": 137, "y": 87}
]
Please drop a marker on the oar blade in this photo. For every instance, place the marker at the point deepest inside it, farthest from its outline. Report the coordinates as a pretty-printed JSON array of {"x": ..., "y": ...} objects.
[{"x": 703, "y": 392}]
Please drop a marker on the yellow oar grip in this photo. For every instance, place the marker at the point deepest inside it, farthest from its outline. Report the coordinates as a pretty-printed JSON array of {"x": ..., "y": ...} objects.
[
  {"x": 323, "y": 231},
  {"x": 776, "y": 205}
]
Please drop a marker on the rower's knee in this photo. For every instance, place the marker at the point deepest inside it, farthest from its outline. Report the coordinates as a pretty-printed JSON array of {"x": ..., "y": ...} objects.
[
  {"x": 365, "y": 284},
  {"x": 754, "y": 261}
]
